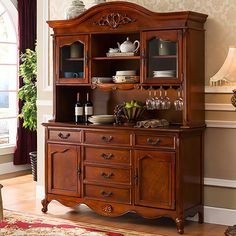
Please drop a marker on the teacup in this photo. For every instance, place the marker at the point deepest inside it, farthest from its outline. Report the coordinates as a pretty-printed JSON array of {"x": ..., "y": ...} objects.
[
  {"x": 74, "y": 75},
  {"x": 69, "y": 74}
]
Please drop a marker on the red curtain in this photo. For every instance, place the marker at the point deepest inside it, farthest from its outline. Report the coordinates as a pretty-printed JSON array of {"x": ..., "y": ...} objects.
[{"x": 26, "y": 140}]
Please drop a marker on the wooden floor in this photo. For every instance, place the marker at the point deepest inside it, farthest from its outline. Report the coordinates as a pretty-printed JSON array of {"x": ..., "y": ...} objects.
[{"x": 19, "y": 195}]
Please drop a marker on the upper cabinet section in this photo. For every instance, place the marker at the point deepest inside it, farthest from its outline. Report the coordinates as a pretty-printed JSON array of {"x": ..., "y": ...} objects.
[
  {"x": 162, "y": 61},
  {"x": 112, "y": 17},
  {"x": 123, "y": 46},
  {"x": 122, "y": 36},
  {"x": 72, "y": 59}
]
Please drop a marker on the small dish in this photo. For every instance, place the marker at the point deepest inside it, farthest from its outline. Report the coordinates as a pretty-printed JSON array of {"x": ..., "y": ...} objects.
[{"x": 101, "y": 119}]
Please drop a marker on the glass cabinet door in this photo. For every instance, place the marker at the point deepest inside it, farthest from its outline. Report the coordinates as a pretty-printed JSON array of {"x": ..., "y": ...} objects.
[
  {"x": 162, "y": 57},
  {"x": 72, "y": 65}
]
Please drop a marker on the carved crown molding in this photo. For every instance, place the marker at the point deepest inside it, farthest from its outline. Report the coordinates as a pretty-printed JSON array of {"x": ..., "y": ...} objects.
[{"x": 114, "y": 20}]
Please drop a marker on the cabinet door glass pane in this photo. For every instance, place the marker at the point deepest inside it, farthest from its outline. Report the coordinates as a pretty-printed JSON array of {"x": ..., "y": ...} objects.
[
  {"x": 162, "y": 58},
  {"x": 72, "y": 60}
]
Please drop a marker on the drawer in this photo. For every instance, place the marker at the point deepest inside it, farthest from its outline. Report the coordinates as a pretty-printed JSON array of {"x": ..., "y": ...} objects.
[
  {"x": 65, "y": 136},
  {"x": 107, "y": 175},
  {"x": 156, "y": 141},
  {"x": 107, "y": 156},
  {"x": 107, "y": 138},
  {"x": 110, "y": 194}
]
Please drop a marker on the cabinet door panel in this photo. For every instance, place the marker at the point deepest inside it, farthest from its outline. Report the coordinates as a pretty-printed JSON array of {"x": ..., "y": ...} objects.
[
  {"x": 72, "y": 59},
  {"x": 63, "y": 169},
  {"x": 162, "y": 57},
  {"x": 155, "y": 179}
]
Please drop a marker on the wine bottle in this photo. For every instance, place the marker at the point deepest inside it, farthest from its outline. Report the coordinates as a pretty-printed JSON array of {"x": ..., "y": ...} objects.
[
  {"x": 88, "y": 109},
  {"x": 79, "y": 110}
]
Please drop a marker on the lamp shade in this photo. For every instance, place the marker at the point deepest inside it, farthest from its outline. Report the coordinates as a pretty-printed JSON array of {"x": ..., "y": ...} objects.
[{"x": 227, "y": 73}]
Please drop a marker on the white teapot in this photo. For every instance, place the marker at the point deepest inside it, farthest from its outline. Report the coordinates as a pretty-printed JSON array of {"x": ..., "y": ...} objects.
[{"x": 128, "y": 46}]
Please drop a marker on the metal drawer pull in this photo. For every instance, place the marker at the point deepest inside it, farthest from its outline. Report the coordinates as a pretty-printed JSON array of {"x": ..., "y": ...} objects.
[
  {"x": 79, "y": 172},
  {"x": 106, "y": 156},
  {"x": 106, "y": 176},
  {"x": 107, "y": 138},
  {"x": 61, "y": 135},
  {"x": 152, "y": 142},
  {"x": 104, "y": 194}
]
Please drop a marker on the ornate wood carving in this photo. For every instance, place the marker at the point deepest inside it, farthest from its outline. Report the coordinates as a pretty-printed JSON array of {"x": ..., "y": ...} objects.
[
  {"x": 114, "y": 20},
  {"x": 107, "y": 208}
]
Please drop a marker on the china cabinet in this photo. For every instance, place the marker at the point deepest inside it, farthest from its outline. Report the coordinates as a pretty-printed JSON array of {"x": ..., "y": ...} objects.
[{"x": 119, "y": 168}]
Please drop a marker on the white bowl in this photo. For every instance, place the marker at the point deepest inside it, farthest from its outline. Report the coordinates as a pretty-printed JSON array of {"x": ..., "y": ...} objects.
[{"x": 125, "y": 72}]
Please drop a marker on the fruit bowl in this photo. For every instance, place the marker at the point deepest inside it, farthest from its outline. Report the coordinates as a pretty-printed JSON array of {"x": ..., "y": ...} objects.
[{"x": 133, "y": 111}]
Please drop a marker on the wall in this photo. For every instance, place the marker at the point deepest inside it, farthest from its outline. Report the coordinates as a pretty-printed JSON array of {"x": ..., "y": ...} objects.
[
  {"x": 220, "y": 148},
  {"x": 14, "y": 2}
]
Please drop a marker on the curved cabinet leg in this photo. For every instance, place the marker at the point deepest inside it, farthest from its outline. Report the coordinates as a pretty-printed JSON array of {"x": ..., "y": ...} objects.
[
  {"x": 45, "y": 203},
  {"x": 180, "y": 225}
]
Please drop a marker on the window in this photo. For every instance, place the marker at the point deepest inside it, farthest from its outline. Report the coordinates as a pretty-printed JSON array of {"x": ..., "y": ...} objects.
[{"x": 8, "y": 73}]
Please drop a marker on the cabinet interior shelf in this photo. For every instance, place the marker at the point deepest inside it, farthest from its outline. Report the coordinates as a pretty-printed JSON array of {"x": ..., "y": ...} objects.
[
  {"x": 113, "y": 86},
  {"x": 75, "y": 59},
  {"x": 118, "y": 58},
  {"x": 166, "y": 56}
]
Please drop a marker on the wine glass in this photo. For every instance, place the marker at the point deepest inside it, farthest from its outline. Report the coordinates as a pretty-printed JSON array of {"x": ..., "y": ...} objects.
[
  {"x": 158, "y": 100},
  {"x": 149, "y": 100},
  {"x": 179, "y": 103},
  {"x": 165, "y": 103}
]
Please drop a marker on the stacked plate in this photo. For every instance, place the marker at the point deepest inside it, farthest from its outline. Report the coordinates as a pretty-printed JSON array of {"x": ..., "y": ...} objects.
[
  {"x": 164, "y": 73},
  {"x": 125, "y": 76},
  {"x": 101, "y": 119}
]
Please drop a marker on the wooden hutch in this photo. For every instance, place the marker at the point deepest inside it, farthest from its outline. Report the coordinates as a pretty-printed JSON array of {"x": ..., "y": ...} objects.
[{"x": 115, "y": 169}]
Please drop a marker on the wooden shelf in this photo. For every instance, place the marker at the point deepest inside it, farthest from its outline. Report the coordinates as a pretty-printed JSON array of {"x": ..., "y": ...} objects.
[
  {"x": 117, "y": 58},
  {"x": 113, "y": 86}
]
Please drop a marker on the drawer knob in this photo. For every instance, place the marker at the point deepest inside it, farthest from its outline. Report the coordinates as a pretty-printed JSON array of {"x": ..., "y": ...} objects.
[
  {"x": 62, "y": 136},
  {"x": 107, "y": 139},
  {"x": 153, "y": 142},
  {"x": 106, "y": 176},
  {"x": 106, "y": 156},
  {"x": 105, "y": 194}
]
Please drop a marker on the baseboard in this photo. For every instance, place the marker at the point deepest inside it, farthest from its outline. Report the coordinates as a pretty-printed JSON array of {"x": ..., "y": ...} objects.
[
  {"x": 7, "y": 168},
  {"x": 40, "y": 193},
  {"x": 220, "y": 216}
]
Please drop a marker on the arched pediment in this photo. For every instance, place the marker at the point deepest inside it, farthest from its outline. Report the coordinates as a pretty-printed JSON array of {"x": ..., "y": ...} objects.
[{"x": 120, "y": 16}]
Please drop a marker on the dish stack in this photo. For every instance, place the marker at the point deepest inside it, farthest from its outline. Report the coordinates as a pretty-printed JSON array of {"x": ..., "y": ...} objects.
[
  {"x": 164, "y": 73},
  {"x": 125, "y": 76},
  {"x": 101, "y": 119}
]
